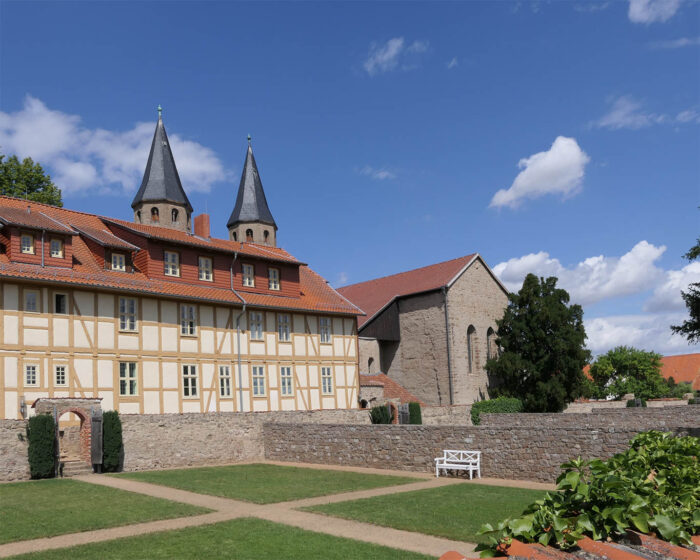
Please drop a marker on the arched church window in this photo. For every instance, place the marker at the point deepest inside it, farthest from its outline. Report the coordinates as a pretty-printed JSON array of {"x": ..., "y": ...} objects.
[
  {"x": 155, "y": 217},
  {"x": 369, "y": 365},
  {"x": 490, "y": 344},
  {"x": 471, "y": 332},
  {"x": 249, "y": 235},
  {"x": 173, "y": 215},
  {"x": 266, "y": 234}
]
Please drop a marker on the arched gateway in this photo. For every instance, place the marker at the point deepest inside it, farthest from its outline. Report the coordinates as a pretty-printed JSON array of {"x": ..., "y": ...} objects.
[{"x": 84, "y": 443}]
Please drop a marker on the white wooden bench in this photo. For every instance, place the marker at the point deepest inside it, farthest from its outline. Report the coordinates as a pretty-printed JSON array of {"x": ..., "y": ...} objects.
[{"x": 459, "y": 460}]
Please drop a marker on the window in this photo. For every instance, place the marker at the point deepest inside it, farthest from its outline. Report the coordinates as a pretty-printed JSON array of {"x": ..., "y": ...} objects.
[
  {"x": 471, "y": 331},
  {"x": 256, "y": 326},
  {"x": 155, "y": 216},
  {"x": 283, "y": 327},
  {"x": 273, "y": 278},
  {"x": 60, "y": 375},
  {"x": 258, "y": 381},
  {"x": 326, "y": 381},
  {"x": 118, "y": 261},
  {"x": 249, "y": 235},
  {"x": 138, "y": 215},
  {"x": 31, "y": 301},
  {"x": 127, "y": 314},
  {"x": 491, "y": 351},
  {"x": 249, "y": 275},
  {"x": 224, "y": 381},
  {"x": 173, "y": 215},
  {"x": 325, "y": 328},
  {"x": 235, "y": 236},
  {"x": 266, "y": 235},
  {"x": 188, "y": 320},
  {"x": 27, "y": 244},
  {"x": 60, "y": 304},
  {"x": 286, "y": 381},
  {"x": 30, "y": 375},
  {"x": 171, "y": 262},
  {"x": 189, "y": 381},
  {"x": 56, "y": 248},
  {"x": 205, "y": 269},
  {"x": 127, "y": 379}
]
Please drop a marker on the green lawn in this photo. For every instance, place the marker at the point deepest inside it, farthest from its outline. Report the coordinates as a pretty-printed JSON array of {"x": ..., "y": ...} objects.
[
  {"x": 240, "y": 539},
  {"x": 265, "y": 484},
  {"x": 45, "y": 508},
  {"x": 455, "y": 512}
]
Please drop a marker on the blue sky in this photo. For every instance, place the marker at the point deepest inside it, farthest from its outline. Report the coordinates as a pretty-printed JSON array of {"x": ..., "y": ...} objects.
[{"x": 551, "y": 137}]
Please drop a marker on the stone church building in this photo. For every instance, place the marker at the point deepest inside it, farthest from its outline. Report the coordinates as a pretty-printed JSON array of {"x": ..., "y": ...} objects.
[{"x": 431, "y": 329}]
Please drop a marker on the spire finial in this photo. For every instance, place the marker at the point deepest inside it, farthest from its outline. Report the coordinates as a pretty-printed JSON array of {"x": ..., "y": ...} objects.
[
  {"x": 249, "y": 140},
  {"x": 160, "y": 112}
]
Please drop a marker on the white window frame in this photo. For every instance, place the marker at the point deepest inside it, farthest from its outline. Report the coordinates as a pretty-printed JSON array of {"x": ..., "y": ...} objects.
[
  {"x": 57, "y": 379},
  {"x": 225, "y": 382},
  {"x": 286, "y": 381},
  {"x": 326, "y": 380},
  {"x": 248, "y": 273},
  {"x": 188, "y": 319},
  {"x": 128, "y": 314},
  {"x": 27, "y": 249},
  {"x": 37, "y": 301},
  {"x": 259, "y": 381},
  {"x": 31, "y": 375},
  {"x": 128, "y": 379},
  {"x": 325, "y": 330},
  {"x": 284, "y": 331},
  {"x": 206, "y": 269},
  {"x": 56, "y": 254},
  {"x": 273, "y": 279},
  {"x": 171, "y": 263},
  {"x": 119, "y": 262},
  {"x": 257, "y": 325},
  {"x": 189, "y": 382}
]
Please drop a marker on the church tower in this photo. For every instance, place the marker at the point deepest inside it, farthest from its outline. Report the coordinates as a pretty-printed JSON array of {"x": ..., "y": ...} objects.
[
  {"x": 251, "y": 220},
  {"x": 161, "y": 200}
]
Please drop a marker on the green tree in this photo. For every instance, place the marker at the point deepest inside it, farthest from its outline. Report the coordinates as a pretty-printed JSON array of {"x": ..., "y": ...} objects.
[
  {"x": 627, "y": 370},
  {"x": 542, "y": 341},
  {"x": 112, "y": 443},
  {"x": 26, "y": 179},
  {"x": 691, "y": 327}
]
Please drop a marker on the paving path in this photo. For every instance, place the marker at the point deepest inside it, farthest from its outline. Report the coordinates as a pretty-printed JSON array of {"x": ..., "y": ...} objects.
[{"x": 226, "y": 509}]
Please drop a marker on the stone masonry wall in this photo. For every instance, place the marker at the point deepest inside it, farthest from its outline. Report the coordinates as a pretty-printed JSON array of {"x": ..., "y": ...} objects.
[
  {"x": 369, "y": 349},
  {"x": 13, "y": 450},
  {"x": 456, "y": 415},
  {"x": 514, "y": 453}
]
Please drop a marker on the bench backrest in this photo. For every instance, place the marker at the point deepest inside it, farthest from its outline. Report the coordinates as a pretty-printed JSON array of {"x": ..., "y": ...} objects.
[{"x": 461, "y": 456}]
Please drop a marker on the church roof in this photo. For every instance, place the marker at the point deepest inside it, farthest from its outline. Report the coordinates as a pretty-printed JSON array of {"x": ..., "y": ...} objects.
[
  {"x": 251, "y": 204},
  {"x": 161, "y": 182},
  {"x": 373, "y": 296}
]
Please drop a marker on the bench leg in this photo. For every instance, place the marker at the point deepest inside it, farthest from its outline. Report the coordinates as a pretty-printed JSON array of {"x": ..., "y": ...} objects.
[{"x": 437, "y": 472}]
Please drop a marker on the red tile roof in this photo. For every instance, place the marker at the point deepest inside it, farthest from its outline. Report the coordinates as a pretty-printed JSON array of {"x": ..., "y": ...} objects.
[
  {"x": 316, "y": 294},
  {"x": 684, "y": 368},
  {"x": 29, "y": 216},
  {"x": 392, "y": 390},
  {"x": 373, "y": 295},
  {"x": 105, "y": 238}
]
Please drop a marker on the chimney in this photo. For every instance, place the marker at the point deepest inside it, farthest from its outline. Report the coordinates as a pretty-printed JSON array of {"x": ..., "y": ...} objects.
[{"x": 201, "y": 226}]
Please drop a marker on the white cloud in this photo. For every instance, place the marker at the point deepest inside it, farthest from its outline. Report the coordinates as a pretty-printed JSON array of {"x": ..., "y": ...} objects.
[
  {"x": 650, "y": 11},
  {"x": 394, "y": 54},
  {"x": 667, "y": 296},
  {"x": 379, "y": 174},
  {"x": 591, "y": 7},
  {"x": 559, "y": 170},
  {"x": 676, "y": 43},
  {"x": 453, "y": 63},
  {"x": 342, "y": 279},
  {"x": 593, "y": 279},
  {"x": 627, "y": 112},
  {"x": 81, "y": 159},
  {"x": 688, "y": 116}
]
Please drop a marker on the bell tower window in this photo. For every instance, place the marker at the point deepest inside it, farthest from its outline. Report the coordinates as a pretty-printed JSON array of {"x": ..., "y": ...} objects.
[
  {"x": 249, "y": 235},
  {"x": 155, "y": 216},
  {"x": 173, "y": 215},
  {"x": 235, "y": 236}
]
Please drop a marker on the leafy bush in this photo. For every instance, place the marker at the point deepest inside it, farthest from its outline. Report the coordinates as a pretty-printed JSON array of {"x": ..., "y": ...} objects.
[
  {"x": 693, "y": 401},
  {"x": 653, "y": 486},
  {"x": 381, "y": 415},
  {"x": 112, "y": 445},
  {"x": 414, "y": 413},
  {"x": 41, "y": 433},
  {"x": 628, "y": 370},
  {"x": 677, "y": 390},
  {"x": 636, "y": 403},
  {"x": 501, "y": 404}
]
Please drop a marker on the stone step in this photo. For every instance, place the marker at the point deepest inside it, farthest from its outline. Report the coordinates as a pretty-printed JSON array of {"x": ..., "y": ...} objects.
[{"x": 75, "y": 468}]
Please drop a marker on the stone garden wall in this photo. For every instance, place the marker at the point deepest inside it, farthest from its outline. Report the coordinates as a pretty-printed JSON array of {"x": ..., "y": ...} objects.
[
  {"x": 13, "y": 450},
  {"x": 455, "y": 415}
]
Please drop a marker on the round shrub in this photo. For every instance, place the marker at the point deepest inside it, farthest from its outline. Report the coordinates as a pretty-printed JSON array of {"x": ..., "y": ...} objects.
[
  {"x": 41, "y": 433},
  {"x": 112, "y": 445},
  {"x": 499, "y": 405}
]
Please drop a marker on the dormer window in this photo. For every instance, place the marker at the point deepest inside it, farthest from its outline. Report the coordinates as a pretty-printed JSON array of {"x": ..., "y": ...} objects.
[
  {"x": 56, "y": 249},
  {"x": 118, "y": 262},
  {"x": 171, "y": 262},
  {"x": 249, "y": 275},
  {"x": 273, "y": 279},
  {"x": 173, "y": 215},
  {"x": 27, "y": 244},
  {"x": 249, "y": 235},
  {"x": 155, "y": 216}
]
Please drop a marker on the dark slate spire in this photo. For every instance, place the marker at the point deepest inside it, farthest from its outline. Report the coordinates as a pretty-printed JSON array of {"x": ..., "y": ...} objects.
[
  {"x": 251, "y": 204},
  {"x": 161, "y": 182}
]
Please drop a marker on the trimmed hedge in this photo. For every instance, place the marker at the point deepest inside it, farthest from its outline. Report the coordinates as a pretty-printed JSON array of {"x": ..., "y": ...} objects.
[
  {"x": 381, "y": 415},
  {"x": 112, "y": 445},
  {"x": 414, "y": 413},
  {"x": 499, "y": 405},
  {"x": 41, "y": 433}
]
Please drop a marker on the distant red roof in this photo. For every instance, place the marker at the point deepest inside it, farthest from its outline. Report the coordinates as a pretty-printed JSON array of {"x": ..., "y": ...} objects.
[
  {"x": 684, "y": 368},
  {"x": 373, "y": 295},
  {"x": 392, "y": 390}
]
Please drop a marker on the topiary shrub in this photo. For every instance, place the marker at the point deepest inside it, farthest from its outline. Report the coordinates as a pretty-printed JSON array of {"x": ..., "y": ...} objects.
[
  {"x": 636, "y": 403},
  {"x": 499, "y": 405},
  {"x": 41, "y": 433},
  {"x": 112, "y": 445},
  {"x": 381, "y": 415},
  {"x": 414, "y": 413}
]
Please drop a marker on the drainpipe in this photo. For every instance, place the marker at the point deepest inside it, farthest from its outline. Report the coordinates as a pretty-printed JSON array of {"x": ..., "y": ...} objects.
[
  {"x": 42, "y": 248},
  {"x": 449, "y": 346},
  {"x": 238, "y": 337}
]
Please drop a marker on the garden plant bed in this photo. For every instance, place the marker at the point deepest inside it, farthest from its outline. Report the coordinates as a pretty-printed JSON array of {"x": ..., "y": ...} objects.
[
  {"x": 456, "y": 512},
  {"x": 240, "y": 539},
  {"x": 266, "y": 484},
  {"x": 46, "y": 508}
]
